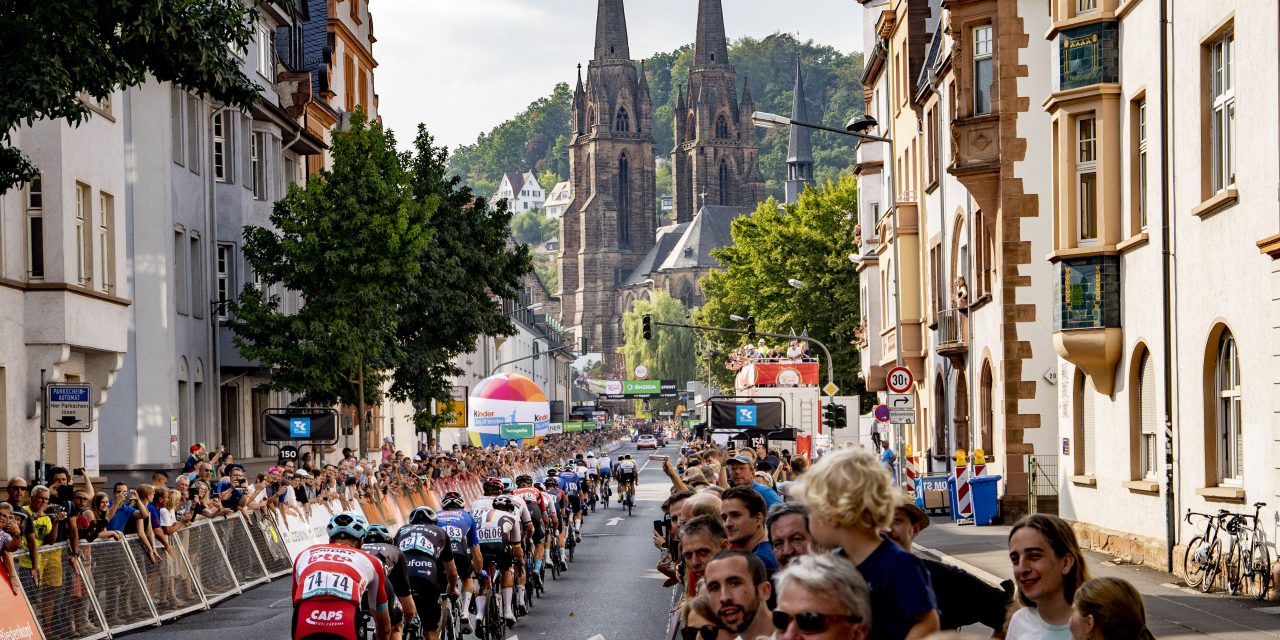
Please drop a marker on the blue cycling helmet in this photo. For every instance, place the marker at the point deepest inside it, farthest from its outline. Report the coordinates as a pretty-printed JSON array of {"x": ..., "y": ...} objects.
[
  {"x": 378, "y": 533},
  {"x": 508, "y": 486},
  {"x": 350, "y": 525},
  {"x": 423, "y": 515}
]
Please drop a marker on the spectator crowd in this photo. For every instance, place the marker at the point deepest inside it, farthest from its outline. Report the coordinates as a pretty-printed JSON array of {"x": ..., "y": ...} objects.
[{"x": 758, "y": 545}]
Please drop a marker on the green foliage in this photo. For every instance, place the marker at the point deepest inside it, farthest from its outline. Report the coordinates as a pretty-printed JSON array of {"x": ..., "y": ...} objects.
[
  {"x": 58, "y": 50},
  {"x": 832, "y": 85},
  {"x": 809, "y": 241},
  {"x": 528, "y": 227},
  {"x": 549, "y": 179},
  {"x": 397, "y": 266},
  {"x": 668, "y": 355}
]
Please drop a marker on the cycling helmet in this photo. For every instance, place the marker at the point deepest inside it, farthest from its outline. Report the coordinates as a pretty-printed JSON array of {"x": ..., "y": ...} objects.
[
  {"x": 348, "y": 525},
  {"x": 507, "y": 485},
  {"x": 524, "y": 480},
  {"x": 591, "y": 454},
  {"x": 503, "y": 503},
  {"x": 578, "y": 457},
  {"x": 553, "y": 481},
  {"x": 423, "y": 515},
  {"x": 378, "y": 533},
  {"x": 492, "y": 486},
  {"x": 453, "y": 500}
]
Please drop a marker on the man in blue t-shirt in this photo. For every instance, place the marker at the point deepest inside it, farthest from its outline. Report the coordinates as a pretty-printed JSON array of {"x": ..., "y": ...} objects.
[
  {"x": 742, "y": 473},
  {"x": 743, "y": 513},
  {"x": 230, "y": 489}
]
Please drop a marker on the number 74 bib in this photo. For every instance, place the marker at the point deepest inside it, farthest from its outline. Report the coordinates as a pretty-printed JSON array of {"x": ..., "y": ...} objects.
[{"x": 327, "y": 583}]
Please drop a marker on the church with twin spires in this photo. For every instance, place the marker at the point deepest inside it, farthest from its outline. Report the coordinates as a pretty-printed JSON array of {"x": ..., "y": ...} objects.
[{"x": 612, "y": 251}]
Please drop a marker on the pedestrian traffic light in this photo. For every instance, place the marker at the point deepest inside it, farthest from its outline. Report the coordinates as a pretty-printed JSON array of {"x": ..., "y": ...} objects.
[
  {"x": 647, "y": 326},
  {"x": 751, "y": 328},
  {"x": 842, "y": 416}
]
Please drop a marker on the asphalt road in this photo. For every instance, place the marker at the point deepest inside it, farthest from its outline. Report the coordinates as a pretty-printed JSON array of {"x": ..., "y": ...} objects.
[{"x": 611, "y": 589}]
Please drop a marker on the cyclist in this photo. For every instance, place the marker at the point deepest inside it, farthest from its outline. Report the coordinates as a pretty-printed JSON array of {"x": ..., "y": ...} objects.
[
  {"x": 571, "y": 484},
  {"x": 593, "y": 478},
  {"x": 461, "y": 528},
  {"x": 499, "y": 535},
  {"x": 330, "y": 580},
  {"x": 561, "y": 510},
  {"x": 606, "y": 468},
  {"x": 431, "y": 568},
  {"x": 627, "y": 479},
  {"x": 536, "y": 504},
  {"x": 551, "y": 515},
  {"x": 525, "y": 516},
  {"x": 379, "y": 544}
]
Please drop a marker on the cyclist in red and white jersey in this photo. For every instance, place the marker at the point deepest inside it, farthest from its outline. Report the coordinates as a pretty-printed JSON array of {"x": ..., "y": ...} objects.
[
  {"x": 537, "y": 504},
  {"x": 330, "y": 581}
]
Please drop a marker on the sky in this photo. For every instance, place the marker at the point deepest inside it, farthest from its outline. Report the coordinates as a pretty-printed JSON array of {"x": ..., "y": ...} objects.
[{"x": 465, "y": 66}]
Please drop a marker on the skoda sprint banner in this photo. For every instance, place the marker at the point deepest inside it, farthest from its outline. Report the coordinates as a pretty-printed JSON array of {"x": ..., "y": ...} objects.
[{"x": 640, "y": 389}]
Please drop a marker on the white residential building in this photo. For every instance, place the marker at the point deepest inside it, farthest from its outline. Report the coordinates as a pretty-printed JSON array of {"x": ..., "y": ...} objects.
[
  {"x": 521, "y": 191},
  {"x": 558, "y": 200}
]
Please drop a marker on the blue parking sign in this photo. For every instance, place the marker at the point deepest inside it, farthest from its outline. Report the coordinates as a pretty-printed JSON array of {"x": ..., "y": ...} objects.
[
  {"x": 300, "y": 427},
  {"x": 747, "y": 415}
]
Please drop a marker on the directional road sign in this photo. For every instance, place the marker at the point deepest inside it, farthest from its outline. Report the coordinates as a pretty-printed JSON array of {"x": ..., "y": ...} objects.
[
  {"x": 900, "y": 380},
  {"x": 902, "y": 408},
  {"x": 882, "y": 413},
  {"x": 68, "y": 407}
]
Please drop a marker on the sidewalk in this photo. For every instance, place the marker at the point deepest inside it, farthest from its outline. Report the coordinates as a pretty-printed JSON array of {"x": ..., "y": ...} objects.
[{"x": 1173, "y": 611}]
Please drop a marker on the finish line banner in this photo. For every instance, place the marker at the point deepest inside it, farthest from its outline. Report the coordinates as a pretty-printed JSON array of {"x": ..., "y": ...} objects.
[{"x": 640, "y": 389}]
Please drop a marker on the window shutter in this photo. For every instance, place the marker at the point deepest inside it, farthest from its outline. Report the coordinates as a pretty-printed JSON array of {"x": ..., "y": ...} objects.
[
  {"x": 1087, "y": 426},
  {"x": 1147, "y": 413}
]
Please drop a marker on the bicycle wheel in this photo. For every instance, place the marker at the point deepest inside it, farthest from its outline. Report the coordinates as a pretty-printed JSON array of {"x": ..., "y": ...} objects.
[
  {"x": 1192, "y": 569},
  {"x": 630, "y": 505},
  {"x": 1232, "y": 566},
  {"x": 447, "y": 622},
  {"x": 1258, "y": 571},
  {"x": 1213, "y": 566}
]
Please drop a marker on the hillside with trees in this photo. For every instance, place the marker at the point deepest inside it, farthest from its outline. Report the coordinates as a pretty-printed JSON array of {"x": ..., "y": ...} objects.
[{"x": 537, "y": 138}]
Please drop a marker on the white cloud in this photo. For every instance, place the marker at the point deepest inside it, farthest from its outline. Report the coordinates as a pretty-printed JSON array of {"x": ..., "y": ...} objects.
[{"x": 463, "y": 66}]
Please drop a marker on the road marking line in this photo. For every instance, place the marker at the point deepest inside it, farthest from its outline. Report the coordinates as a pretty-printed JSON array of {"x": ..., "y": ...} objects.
[{"x": 613, "y": 522}]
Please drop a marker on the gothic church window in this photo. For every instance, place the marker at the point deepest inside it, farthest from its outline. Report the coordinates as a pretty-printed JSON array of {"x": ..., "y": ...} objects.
[
  {"x": 722, "y": 128},
  {"x": 622, "y": 122},
  {"x": 724, "y": 183},
  {"x": 624, "y": 201}
]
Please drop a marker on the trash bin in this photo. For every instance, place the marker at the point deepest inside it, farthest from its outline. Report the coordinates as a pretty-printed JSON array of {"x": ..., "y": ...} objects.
[
  {"x": 920, "y": 493},
  {"x": 986, "y": 506},
  {"x": 953, "y": 502}
]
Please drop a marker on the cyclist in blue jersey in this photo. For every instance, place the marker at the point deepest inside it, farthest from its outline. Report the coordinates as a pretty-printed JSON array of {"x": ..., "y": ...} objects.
[
  {"x": 458, "y": 523},
  {"x": 571, "y": 483}
]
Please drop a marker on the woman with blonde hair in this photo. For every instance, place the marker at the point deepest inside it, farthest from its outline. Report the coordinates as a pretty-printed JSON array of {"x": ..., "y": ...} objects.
[
  {"x": 700, "y": 622},
  {"x": 1109, "y": 609},
  {"x": 1048, "y": 568}
]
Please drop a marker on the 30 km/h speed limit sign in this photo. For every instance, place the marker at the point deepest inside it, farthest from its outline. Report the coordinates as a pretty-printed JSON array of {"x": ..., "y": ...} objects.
[{"x": 900, "y": 380}]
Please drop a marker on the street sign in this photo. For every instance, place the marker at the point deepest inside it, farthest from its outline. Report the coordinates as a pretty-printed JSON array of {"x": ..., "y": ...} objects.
[
  {"x": 899, "y": 415},
  {"x": 882, "y": 413},
  {"x": 641, "y": 372},
  {"x": 830, "y": 389},
  {"x": 900, "y": 380},
  {"x": 902, "y": 401},
  {"x": 288, "y": 454},
  {"x": 68, "y": 407}
]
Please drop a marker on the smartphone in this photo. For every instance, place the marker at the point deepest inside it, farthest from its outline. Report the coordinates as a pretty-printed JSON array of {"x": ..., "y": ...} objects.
[
  {"x": 658, "y": 458},
  {"x": 79, "y": 471},
  {"x": 65, "y": 493},
  {"x": 660, "y": 527}
]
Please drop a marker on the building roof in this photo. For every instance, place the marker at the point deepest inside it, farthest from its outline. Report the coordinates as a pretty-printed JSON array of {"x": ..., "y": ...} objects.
[
  {"x": 516, "y": 180},
  {"x": 711, "y": 228},
  {"x": 666, "y": 241},
  {"x": 932, "y": 60},
  {"x": 561, "y": 194},
  {"x": 799, "y": 148}
]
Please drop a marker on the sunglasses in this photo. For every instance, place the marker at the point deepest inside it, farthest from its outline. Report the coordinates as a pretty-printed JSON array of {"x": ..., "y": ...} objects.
[
  {"x": 16, "y": 488},
  {"x": 707, "y": 632},
  {"x": 809, "y": 622}
]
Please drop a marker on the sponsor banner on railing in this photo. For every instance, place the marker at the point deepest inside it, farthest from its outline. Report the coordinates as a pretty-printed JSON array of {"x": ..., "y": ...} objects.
[{"x": 16, "y": 620}]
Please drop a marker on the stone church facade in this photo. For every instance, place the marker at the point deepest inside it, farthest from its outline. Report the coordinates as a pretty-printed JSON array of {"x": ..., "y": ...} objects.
[{"x": 611, "y": 250}]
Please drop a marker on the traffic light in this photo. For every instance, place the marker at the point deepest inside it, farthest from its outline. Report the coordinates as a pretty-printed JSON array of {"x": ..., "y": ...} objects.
[
  {"x": 829, "y": 416},
  {"x": 842, "y": 413},
  {"x": 647, "y": 326},
  {"x": 751, "y": 328}
]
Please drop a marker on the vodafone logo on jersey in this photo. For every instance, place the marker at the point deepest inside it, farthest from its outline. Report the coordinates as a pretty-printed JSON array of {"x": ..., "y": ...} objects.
[{"x": 330, "y": 618}]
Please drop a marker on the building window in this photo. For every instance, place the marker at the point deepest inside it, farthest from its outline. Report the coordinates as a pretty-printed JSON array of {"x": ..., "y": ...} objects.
[
  {"x": 349, "y": 84},
  {"x": 84, "y": 242},
  {"x": 220, "y": 147},
  {"x": 722, "y": 128},
  {"x": 1222, "y": 117},
  {"x": 1145, "y": 410},
  {"x": 364, "y": 90},
  {"x": 266, "y": 53},
  {"x": 1140, "y": 164},
  {"x": 724, "y": 183},
  {"x": 35, "y": 228},
  {"x": 193, "y": 133},
  {"x": 106, "y": 253},
  {"x": 624, "y": 202},
  {"x": 1230, "y": 436},
  {"x": 987, "y": 407},
  {"x": 180, "y": 278},
  {"x": 1085, "y": 449},
  {"x": 1085, "y": 6},
  {"x": 257, "y": 164},
  {"x": 176, "y": 99},
  {"x": 622, "y": 122},
  {"x": 224, "y": 279},
  {"x": 983, "y": 70},
  {"x": 355, "y": 10},
  {"x": 932, "y": 162},
  {"x": 196, "y": 255},
  {"x": 1087, "y": 178}
]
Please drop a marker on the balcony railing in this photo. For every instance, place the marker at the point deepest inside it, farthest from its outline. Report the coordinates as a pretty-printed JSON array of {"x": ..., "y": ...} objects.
[{"x": 952, "y": 334}]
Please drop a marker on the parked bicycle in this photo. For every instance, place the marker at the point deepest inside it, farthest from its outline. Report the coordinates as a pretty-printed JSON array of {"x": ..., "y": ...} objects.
[
  {"x": 1202, "y": 559},
  {"x": 1246, "y": 565}
]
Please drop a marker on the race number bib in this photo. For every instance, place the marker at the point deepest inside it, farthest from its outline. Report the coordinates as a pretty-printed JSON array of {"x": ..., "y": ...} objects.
[
  {"x": 418, "y": 543},
  {"x": 327, "y": 583},
  {"x": 455, "y": 533},
  {"x": 490, "y": 534}
]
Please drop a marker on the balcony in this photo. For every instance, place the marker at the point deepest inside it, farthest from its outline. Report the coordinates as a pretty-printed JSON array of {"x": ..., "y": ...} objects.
[
  {"x": 951, "y": 338},
  {"x": 1086, "y": 317},
  {"x": 975, "y": 157}
]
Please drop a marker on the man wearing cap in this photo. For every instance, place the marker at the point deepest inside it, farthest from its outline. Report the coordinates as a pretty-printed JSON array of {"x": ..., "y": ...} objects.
[
  {"x": 739, "y": 471},
  {"x": 963, "y": 598},
  {"x": 197, "y": 454}
]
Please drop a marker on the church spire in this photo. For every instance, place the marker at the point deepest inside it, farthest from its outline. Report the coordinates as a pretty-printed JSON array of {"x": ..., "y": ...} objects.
[
  {"x": 710, "y": 46},
  {"x": 611, "y": 31},
  {"x": 799, "y": 149}
]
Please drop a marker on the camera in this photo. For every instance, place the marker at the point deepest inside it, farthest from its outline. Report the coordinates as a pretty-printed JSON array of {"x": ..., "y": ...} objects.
[{"x": 55, "y": 509}]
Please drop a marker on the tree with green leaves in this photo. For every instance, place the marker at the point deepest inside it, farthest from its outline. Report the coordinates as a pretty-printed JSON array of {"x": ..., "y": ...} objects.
[
  {"x": 468, "y": 265},
  {"x": 57, "y": 51},
  {"x": 809, "y": 241},
  {"x": 350, "y": 243},
  {"x": 669, "y": 355}
]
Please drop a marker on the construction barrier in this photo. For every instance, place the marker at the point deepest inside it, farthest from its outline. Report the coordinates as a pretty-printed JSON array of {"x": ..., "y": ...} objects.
[
  {"x": 911, "y": 472},
  {"x": 964, "y": 500}
]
